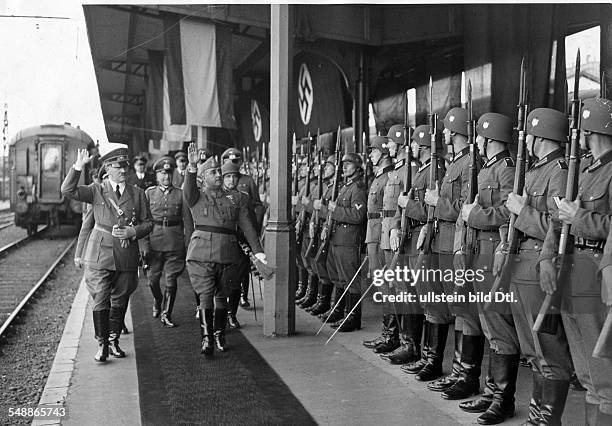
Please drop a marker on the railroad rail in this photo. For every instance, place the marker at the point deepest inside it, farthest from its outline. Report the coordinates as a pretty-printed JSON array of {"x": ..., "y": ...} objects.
[{"x": 25, "y": 270}]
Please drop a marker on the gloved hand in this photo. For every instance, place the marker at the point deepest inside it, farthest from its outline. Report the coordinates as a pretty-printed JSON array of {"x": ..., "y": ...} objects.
[
  {"x": 394, "y": 239},
  {"x": 78, "y": 263},
  {"x": 548, "y": 276},
  {"x": 262, "y": 258},
  {"x": 294, "y": 200},
  {"x": 421, "y": 239},
  {"x": 459, "y": 261},
  {"x": 498, "y": 259}
]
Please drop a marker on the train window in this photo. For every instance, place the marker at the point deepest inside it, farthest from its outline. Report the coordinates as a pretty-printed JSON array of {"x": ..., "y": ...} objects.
[{"x": 51, "y": 157}]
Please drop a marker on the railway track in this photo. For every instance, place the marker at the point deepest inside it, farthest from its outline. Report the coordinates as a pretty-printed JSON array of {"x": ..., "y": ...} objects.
[{"x": 25, "y": 265}]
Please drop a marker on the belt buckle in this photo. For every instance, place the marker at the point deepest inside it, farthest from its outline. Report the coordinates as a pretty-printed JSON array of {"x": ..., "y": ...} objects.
[{"x": 165, "y": 222}]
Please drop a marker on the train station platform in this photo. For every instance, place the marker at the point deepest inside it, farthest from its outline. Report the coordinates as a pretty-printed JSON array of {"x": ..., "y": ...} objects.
[{"x": 294, "y": 380}]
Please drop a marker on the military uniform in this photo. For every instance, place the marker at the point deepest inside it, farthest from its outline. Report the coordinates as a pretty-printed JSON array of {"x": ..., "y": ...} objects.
[
  {"x": 110, "y": 264},
  {"x": 310, "y": 298},
  {"x": 582, "y": 310},
  {"x": 165, "y": 245},
  {"x": 144, "y": 181},
  {"x": 178, "y": 175},
  {"x": 213, "y": 250},
  {"x": 344, "y": 255}
]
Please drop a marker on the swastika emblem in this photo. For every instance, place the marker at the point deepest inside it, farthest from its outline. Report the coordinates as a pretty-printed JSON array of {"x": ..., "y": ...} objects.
[
  {"x": 256, "y": 120},
  {"x": 305, "y": 94}
]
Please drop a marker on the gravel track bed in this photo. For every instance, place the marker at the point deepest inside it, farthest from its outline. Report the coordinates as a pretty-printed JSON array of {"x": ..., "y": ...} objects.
[
  {"x": 28, "y": 349},
  {"x": 10, "y": 234}
]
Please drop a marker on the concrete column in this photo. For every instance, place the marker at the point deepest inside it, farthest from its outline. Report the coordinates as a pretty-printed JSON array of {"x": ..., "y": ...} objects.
[{"x": 279, "y": 292}]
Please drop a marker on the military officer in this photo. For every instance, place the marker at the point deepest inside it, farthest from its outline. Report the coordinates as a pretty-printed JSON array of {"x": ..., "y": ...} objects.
[
  {"x": 306, "y": 292},
  {"x": 319, "y": 266},
  {"x": 214, "y": 248},
  {"x": 141, "y": 177},
  {"x": 429, "y": 366},
  {"x": 464, "y": 380},
  {"x": 582, "y": 311},
  {"x": 164, "y": 247},
  {"x": 178, "y": 175},
  {"x": 343, "y": 260},
  {"x": 547, "y": 131},
  {"x": 487, "y": 214},
  {"x": 121, "y": 215},
  {"x": 256, "y": 212}
]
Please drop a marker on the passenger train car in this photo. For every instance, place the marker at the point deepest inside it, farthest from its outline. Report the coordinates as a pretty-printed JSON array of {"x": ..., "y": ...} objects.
[{"x": 39, "y": 159}]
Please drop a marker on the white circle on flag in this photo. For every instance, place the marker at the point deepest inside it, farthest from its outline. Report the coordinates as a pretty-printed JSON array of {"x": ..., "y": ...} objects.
[
  {"x": 305, "y": 94},
  {"x": 256, "y": 120}
]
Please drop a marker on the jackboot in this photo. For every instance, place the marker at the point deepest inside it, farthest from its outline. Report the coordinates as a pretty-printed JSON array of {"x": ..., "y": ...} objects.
[
  {"x": 219, "y": 323},
  {"x": 410, "y": 338},
  {"x": 482, "y": 404},
  {"x": 554, "y": 394},
  {"x": 206, "y": 331},
  {"x": 169, "y": 298},
  {"x": 115, "y": 322},
  {"x": 232, "y": 321},
  {"x": 311, "y": 292},
  {"x": 533, "y": 419},
  {"x": 302, "y": 280},
  {"x": 468, "y": 383},
  {"x": 100, "y": 320},
  {"x": 323, "y": 299},
  {"x": 590, "y": 414},
  {"x": 353, "y": 319},
  {"x": 301, "y": 287},
  {"x": 197, "y": 308},
  {"x": 415, "y": 367},
  {"x": 388, "y": 341},
  {"x": 157, "y": 298},
  {"x": 435, "y": 355},
  {"x": 446, "y": 382},
  {"x": 504, "y": 369},
  {"x": 336, "y": 314},
  {"x": 232, "y": 309}
]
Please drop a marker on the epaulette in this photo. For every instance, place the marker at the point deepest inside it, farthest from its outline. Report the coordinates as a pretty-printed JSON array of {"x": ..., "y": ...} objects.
[
  {"x": 562, "y": 164},
  {"x": 150, "y": 188},
  {"x": 509, "y": 162}
]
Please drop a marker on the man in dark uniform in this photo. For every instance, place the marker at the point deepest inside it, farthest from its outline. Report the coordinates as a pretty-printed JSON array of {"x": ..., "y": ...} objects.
[
  {"x": 429, "y": 366},
  {"x": 464, "y": 380},
  {"x": 256, "y": 212},
  {"x": 548, "y": 355},
  {"x": 178, "y": 175},
  {"x": 487, "y": 214},
  {"x": 582, "y": 310},
  {"x": 214, "y": 250},
  {"x": 343, "y": 260},
  {"x": 164, "y": 247},
  {"x": 141, "y": 177},
  {"x": 121, "y": 215}
]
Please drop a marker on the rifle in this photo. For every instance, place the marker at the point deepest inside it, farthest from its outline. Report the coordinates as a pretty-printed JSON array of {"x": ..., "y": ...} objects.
[
  {"x": 432, "y": 224},
  {"x": 296, "y": 176},
  {"x": 329, "y": 225},
  {"x": 548, "y": 318},
  {"x": 314, "y": 225},
  {"x": 510, "y": 246},
  {"x": 265, "y": 168},
  {"x": 405, "y": 220},
  {"x": 366, "y": 161},
  {"x": 257, "y": 160},
  {"x": 299, "y": 224},
  {"x": 469, "y": 237}
]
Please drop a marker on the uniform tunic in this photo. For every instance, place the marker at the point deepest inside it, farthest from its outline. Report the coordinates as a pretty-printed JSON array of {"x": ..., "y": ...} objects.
[
  {"x": 147, "y": 181},
  {"x": 582, "y": 310},
  {"x": 319, "y": 267},
  {"x": 495, "y": 182},
  {"x": 165, "y": 244}
]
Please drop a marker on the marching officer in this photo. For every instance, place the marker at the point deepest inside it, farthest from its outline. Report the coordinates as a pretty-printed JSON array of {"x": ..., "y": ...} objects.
[
  {"x": 464, "y": 380},
  {"x": 256, "y": 212},
  {"x": 582, "y": 310},
  {"x": 178, "y": 175},
  {"x": 549, "y": 356},
  {"x": 121, "y": 215},
  {"x": 213, "y": 250},
  {"x": 343, "y": 260},
  {"x": 435, "y": 326},
  {"x": 487, "y": 214},
  {"x": 164, "y": 247},
  {"x": 141, "y": 177}
]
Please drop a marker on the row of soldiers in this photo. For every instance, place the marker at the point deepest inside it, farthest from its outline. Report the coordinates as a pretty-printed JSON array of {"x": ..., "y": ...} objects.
[
  {"x": 414, "y": 335},
  {"x": 164, "y": 229}
]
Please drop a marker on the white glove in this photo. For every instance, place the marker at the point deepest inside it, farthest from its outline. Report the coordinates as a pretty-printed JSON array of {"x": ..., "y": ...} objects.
[
  {"x": 421, "y": 239},
  {"x": 261, "y": 257},
  {"x": 394, "y": 239}
]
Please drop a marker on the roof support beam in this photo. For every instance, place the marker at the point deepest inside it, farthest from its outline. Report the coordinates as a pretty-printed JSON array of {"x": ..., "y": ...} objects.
[
  {"x": 138, "y": 69},
  {"x": 130, "y": 99}
]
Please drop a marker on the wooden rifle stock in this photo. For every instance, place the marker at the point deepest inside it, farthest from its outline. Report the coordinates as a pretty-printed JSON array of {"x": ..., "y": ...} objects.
[
  {"x": 511, "y": 246},
  {"x": 548, "y": 318}
]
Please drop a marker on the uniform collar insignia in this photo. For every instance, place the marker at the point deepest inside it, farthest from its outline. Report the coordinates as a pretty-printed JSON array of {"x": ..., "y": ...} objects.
[
  {"x": 496, "y": 158},
  {"x": 386, "y": 169},
  {"x": 425, "y": 165},
  {"x": 399, "y": 163},
  {"x": 601, "y": 161},
  {"x": 550, "y": 157},
  {"x": 461, "y": 153}
]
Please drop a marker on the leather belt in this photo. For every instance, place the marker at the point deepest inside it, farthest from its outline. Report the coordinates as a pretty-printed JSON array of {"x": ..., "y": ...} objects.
[
  {"x": 388, "y": 213},
  {"x": 166, "y": 222},
  {"x": 375, "y": 215},
  {"x": 584, "y": 243},
  {"x": 215, "y": 229}
]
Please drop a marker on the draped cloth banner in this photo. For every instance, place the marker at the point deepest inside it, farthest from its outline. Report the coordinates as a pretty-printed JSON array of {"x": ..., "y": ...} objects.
[
  {"x": 154, "y": 108},
  {"x": 199, "y": 73},
  {"x": 174, "y": 134}
]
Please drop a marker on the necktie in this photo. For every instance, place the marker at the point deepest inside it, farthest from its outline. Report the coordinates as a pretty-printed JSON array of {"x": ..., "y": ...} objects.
[{"x": 118, "y": 192}]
